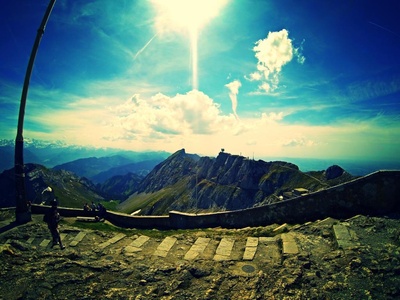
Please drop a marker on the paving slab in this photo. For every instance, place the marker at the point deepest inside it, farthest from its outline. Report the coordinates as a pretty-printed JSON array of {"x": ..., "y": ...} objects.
[
  {"x": 63, "y": 236},
  {"x": 251, "y": 248},
  {"x": 140, "y": 241},
  {"x": 289, "y": 245},
  {"x": 113, "y": 240},
  {"x": 342, "y": 236},
  {"x": 136, "y": 245},
  {"x": 267, "y": 239},
  {"x": 197, "y": 248},
  {"x": 166, "y": 245},
  {"x": 129, "y": 250},
  {"x": 224, "y": 249},
  {"x": 44, "y": 243},
  {"x": 77, "y": 239}
]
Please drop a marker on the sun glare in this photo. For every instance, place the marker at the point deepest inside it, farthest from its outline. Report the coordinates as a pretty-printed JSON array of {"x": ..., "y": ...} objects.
[
  {"x": 189, "y": 16},
  {"x": 186, "y": 14}
]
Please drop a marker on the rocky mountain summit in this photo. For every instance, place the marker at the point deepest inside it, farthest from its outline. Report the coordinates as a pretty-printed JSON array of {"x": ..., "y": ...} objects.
[
  {"x": 356, "y": 258},
  {"x": 228, "y": 182}
]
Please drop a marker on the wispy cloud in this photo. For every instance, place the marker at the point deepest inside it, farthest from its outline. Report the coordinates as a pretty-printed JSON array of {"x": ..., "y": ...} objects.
[
  {"x": 298, "y": 142},
  {"x": 365, "y": 90},
  {"x": 233, "y": 92}
]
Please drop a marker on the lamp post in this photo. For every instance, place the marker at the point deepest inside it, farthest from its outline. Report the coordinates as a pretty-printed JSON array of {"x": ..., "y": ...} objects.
[{"x": 22, "y": 212}]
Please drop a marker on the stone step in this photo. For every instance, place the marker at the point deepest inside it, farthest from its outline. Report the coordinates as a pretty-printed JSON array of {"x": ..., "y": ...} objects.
[
  {"x": 251, "y": 248},
  {"x": 136, "y": 245},
  {"x": 140, "y": 241},
  {"x": 63, "y": 236},
  {"x": 224, "y": 249},
  {"x": 44, "y": 243},
  {"x": 111, "y": 241},
  {"x": 343, "y": 237},
  {"x": 166, "y": 245},
  {"x": 228, "y": 248},
  {"x": 197, "y": 248},
  {"x": 289, "y": 246},
  {"x": 77, "y": 239}
]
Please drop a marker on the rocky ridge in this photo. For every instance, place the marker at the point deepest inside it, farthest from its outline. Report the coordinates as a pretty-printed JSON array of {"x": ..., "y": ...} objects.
[
  {"x": 66, "y": 186},
  {"x": 357, "y": 258},
  {"x": 227, "y": 182}
]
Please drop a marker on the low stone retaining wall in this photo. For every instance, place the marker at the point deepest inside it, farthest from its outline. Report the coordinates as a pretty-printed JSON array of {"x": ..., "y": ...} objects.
[{"x": 374, "y": 194}]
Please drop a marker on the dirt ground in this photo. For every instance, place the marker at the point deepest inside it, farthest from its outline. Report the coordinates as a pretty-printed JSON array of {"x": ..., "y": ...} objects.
[{"x": 291, "y": 261}]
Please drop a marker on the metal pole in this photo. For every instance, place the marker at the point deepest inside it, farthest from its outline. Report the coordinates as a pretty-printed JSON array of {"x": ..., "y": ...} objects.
[{"x": 22, "y": 212}]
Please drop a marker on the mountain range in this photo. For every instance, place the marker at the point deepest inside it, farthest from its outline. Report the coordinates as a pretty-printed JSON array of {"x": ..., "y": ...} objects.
[
  {"x": 51, "y": 154},
  {"x": 185, "y": 182},
  {"x": 68, "y": 188},
  {"x": 101, "y": 169}
]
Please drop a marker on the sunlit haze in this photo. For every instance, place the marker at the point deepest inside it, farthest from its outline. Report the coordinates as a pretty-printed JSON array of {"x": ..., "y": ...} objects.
[
  {"x": 264, "y": 79},
  {"x": 187, "y": 17}
]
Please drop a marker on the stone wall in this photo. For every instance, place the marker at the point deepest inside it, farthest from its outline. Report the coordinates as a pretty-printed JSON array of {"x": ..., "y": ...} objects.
[{"x": 374, "y": 194}]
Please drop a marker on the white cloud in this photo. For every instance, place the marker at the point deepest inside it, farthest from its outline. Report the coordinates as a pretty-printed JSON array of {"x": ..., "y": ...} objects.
[
  {"x": 272, "y": 53},
  {"x": 298, "y": 142},
  {"x": 192, "y": 113},
  {"x": 233, "y": 92},
  {"x": 195, "y": 122},
  {"x": 271, "y": 117}
]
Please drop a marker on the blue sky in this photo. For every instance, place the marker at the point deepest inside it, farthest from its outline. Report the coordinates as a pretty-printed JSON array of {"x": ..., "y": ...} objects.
[{"x": 311, "y": 79}]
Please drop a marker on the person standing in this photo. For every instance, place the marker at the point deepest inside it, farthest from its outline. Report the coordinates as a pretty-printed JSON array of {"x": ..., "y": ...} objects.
[{"x": 52, "y": 218}]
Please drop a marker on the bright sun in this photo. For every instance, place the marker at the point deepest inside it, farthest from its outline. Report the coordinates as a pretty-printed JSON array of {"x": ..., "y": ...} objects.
[
  {"x": 175, "y": 15},
  {"x": 189, "y": 16}
]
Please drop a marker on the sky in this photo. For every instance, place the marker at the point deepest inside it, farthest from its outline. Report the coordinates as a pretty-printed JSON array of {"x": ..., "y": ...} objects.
[{"x": 308, "y": 79}]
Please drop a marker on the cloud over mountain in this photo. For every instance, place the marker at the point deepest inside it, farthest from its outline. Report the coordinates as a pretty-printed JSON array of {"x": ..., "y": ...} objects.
[{"x": 190, "y": 113}]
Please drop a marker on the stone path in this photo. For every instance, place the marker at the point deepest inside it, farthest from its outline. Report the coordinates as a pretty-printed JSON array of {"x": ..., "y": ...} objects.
[{"x": 217, "y": 249}]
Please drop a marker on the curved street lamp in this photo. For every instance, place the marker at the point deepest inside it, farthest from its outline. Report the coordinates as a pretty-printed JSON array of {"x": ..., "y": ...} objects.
[{"x": 22, "y": 212}]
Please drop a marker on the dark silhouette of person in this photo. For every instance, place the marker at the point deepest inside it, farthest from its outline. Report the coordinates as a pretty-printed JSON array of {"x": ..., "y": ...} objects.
[
  {"x": 102, "y": 212},
  {"x": 52, "y": 218}
]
